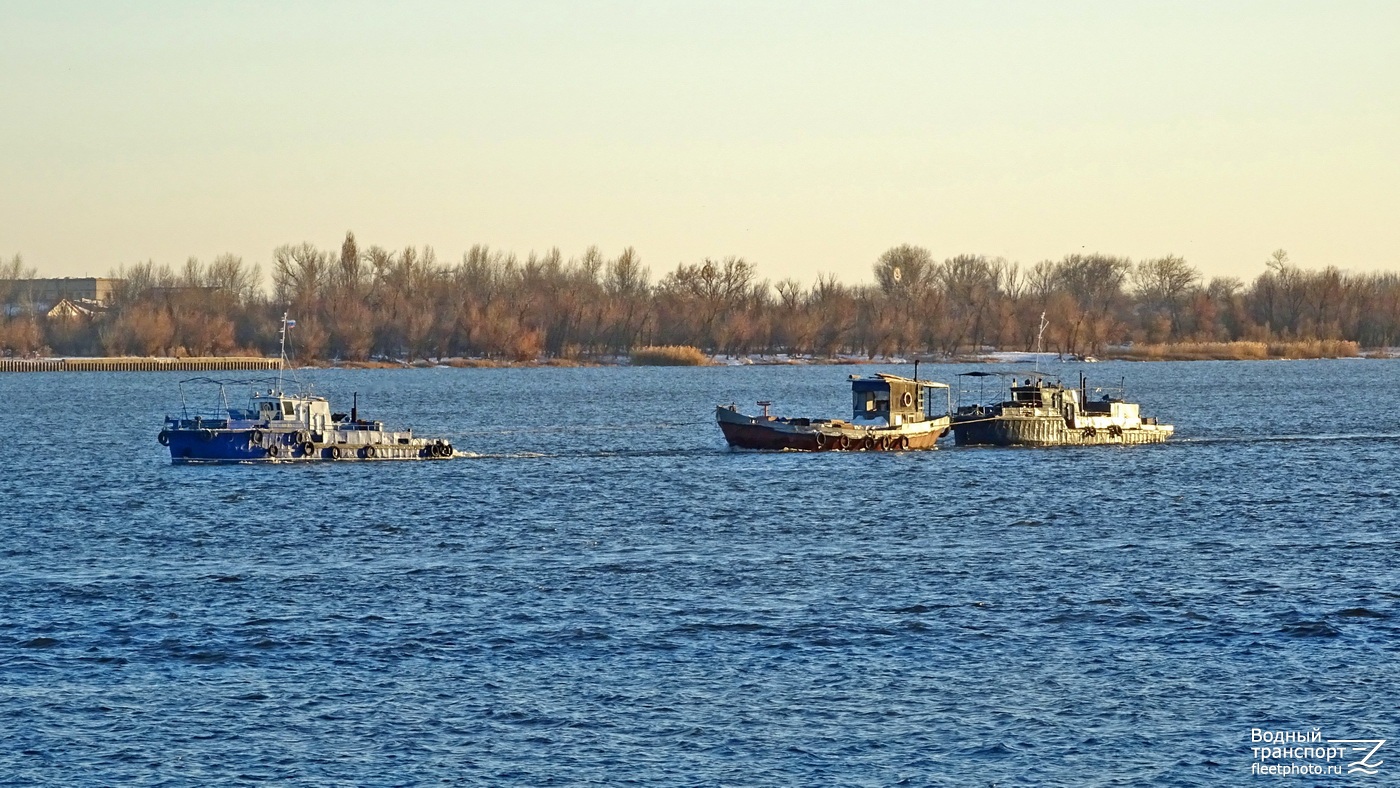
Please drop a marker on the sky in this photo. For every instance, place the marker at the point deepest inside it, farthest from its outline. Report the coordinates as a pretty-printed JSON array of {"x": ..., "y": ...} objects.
[{"x": 806, "y": 137}]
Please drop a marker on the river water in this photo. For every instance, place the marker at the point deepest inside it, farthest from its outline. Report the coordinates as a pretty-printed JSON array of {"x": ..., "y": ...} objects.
[{"x": 598, "y": 591}]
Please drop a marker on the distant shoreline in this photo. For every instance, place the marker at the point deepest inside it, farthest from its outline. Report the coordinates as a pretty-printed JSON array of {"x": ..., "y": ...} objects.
[
  {"x": 138, "y": 364},
  {"x": 246, "y": 363}
]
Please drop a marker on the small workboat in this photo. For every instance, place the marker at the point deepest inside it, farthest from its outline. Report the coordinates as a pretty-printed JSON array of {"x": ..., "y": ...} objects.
[
  {"x": 281, "y": 427},
  {"x": 889, "y": 413},
  {"x": 1042, "y": 412}
]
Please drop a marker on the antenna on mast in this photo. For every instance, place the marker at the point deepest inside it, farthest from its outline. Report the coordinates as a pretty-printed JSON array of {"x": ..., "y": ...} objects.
[
  {"x": 1039, "y": 337},
  {"x": 282, "y": 356}
]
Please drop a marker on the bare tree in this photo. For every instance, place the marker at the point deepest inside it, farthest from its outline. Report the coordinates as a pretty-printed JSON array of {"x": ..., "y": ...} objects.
[
  {"x": 1163, "y": 283},
  {"x": 299, "y": 272},
  {"x": 905, "y": 268},
  {"x": 13, "y": 276}
]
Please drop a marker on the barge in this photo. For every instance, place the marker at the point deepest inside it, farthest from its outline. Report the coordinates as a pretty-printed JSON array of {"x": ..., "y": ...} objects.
[{"x": 1042, "y": 412}]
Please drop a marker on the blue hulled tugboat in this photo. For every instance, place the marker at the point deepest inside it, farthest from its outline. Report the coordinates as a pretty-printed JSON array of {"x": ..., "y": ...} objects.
[{"x": 281, "y": 427}]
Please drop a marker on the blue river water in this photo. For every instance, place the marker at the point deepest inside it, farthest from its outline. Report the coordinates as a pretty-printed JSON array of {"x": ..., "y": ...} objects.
[{"x": 599, "y": 592}]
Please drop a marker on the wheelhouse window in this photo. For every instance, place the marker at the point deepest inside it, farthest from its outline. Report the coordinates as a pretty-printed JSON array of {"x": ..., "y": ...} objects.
[
  {"x": 1026, "y": 395},
  {"x": 872, "y": 401}
]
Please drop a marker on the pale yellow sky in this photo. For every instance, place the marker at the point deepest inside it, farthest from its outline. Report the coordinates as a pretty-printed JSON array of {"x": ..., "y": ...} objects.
[{"x": 806, "y": 137}]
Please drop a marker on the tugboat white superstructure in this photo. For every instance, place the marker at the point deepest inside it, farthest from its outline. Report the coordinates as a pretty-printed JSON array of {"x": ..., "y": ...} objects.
[{"x": 282, "y": 427}]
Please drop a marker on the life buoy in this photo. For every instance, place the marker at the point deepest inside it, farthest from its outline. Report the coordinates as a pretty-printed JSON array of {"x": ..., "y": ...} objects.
[
  {"x": 308, "y": 448},
  {"x": 821, "y": 440},
  {"x": 907, "y": 400},
  {"x": 163, "y": 438},
  {"x": 272, "y": 451},
  {"x": 904, "y": 443}
]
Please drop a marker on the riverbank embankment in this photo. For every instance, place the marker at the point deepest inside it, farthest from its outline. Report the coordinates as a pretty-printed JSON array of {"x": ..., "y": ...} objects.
[{"x": 137, "y": 364}]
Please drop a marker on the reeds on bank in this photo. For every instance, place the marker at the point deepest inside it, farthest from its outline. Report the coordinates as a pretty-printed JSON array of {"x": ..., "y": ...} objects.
[
  {"x": 669, "y": 356},
  {"x": 1240, "y": 351}
]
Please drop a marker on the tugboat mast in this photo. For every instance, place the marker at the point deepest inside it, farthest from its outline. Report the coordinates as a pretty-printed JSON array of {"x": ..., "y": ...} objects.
[
  {"x": 282, "y": 356},
  {"x": 1039, "y": 345}
]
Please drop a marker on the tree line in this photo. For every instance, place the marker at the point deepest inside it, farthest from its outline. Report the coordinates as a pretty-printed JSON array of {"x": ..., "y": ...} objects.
[{"x": 359, "y": 303}]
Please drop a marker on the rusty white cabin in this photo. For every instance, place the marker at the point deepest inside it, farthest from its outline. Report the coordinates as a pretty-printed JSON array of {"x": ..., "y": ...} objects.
[{"x": 884, "y": 400}]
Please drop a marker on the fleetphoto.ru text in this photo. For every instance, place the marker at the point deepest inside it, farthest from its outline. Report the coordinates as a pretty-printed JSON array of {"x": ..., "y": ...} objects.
[{"x": 1306, "y": 753}]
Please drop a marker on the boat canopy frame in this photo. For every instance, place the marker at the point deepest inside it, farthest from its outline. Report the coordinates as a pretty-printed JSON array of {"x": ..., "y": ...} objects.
[
  {"x": 1040, "y": 378},
  {"x": 271, "y": 384}
]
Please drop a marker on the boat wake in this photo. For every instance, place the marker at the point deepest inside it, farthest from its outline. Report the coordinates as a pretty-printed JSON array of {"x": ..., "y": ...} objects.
[
  {"x": 578, "y": 429},
  {"x": 513, "y": 455},
  {"x": 621, "y": 453}
]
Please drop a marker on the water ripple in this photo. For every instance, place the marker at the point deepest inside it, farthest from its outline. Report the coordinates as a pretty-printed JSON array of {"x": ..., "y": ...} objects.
[{"x": 600, "y": 594}]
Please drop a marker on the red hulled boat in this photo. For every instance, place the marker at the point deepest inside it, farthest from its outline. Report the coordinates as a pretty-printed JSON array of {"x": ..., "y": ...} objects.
[{"x": 889, "y": 413}]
